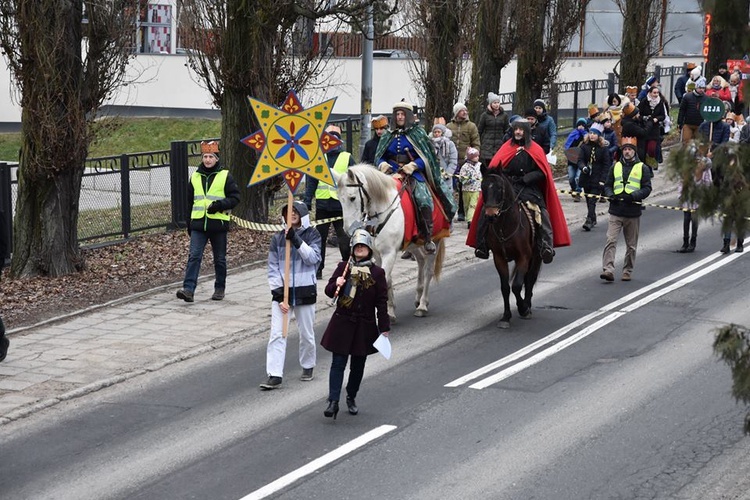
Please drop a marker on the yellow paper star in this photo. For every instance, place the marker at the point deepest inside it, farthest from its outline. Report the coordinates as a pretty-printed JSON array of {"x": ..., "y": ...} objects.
[{"x": 291, "y": 139}]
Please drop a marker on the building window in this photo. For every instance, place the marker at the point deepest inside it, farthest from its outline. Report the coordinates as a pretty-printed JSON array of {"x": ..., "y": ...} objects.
[{"x": 155, "y": 27}]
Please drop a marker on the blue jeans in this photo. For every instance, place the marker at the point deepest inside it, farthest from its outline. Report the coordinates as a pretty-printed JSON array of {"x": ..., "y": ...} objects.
[
  {"x": 336, "y": 376},
  {"x": 573, "y": 175},
  {"x": 198, "y": 240}
]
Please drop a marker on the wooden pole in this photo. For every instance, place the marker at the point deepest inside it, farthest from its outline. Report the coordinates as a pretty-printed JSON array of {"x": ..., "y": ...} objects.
[{"x": 287, "y": 263}]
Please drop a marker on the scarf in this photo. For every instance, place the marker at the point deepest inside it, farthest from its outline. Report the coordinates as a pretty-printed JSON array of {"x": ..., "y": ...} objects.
[
  {"x": 441, "y": 146},
  {"x": 653, "y": 101},
  {"x": 359, "y": 275}
]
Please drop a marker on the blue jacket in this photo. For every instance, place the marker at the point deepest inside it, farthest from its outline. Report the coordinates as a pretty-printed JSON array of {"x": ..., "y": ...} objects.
[{"x": 304, "y": 264}]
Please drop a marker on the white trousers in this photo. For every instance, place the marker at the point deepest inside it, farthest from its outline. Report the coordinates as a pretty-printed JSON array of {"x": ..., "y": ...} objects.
[{"x": 276, "y": 351}]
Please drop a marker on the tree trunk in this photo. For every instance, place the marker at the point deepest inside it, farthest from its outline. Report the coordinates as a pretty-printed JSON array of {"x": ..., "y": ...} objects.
[
  {"x": 635, "y": 43},
  {"x": 730, "y": 36},
  {"x": 443, "y": 57},
  {"x": 493, "y": 50},
  {"x": 55, "y": 141},
  {"x": 530, "y": 72}
]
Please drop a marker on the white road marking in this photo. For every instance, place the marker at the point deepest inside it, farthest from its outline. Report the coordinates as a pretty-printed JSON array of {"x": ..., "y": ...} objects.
[
  {"x": 694, "y": 271},
  {"x": 319, "y": 463}
]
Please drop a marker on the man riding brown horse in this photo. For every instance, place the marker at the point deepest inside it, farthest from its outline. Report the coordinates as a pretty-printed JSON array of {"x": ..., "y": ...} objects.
[{"x": 525, "y": 163}]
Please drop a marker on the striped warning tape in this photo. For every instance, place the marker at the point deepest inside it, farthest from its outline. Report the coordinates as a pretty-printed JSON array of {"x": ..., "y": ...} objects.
[
  {"x": 668, "y": 207},
  {"x": 585, "y": 195},
  {"x": 272, "y": 228}
]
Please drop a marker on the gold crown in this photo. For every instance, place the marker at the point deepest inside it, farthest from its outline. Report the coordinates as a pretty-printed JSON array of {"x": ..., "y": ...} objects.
[
  {"x": 630, "y": 89},
  {"x": 380, "y": 121},
  {"x": 211, "y": 147},
  {"x": 629, "y": 141}
]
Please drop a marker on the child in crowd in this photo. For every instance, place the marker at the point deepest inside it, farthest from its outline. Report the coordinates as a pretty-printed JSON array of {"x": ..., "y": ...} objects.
[
  {"x": 734, "y": 130},
  {"x": 575, "y": 138},
  {"x": 701, "y": 177},
  {"x": 471, "y": 180}
]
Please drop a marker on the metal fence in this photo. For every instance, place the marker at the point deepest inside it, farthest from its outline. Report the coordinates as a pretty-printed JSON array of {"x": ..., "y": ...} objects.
[{"x": 130, "y": 193}]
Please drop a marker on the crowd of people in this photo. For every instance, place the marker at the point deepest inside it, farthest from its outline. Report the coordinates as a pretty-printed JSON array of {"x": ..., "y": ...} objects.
[{"x": 611, "y": 155}]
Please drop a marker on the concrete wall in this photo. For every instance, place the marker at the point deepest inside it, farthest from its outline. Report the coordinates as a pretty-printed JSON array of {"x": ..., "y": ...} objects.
[{"x": 164, "y": 82}]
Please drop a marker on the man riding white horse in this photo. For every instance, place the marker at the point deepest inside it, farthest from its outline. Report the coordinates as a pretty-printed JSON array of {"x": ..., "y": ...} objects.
[
  {"x": 525, "y": 163},
  {"x": 406, "y": 151}
]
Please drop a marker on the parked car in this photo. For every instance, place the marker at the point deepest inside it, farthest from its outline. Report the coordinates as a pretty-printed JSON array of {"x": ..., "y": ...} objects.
[{"x": 396, "y": 53}]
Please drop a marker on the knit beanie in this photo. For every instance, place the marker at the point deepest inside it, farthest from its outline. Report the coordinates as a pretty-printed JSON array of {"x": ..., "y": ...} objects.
[
  {"x": 458, "y": 107},
  {"x": 700, "y": 83},
  {"x": 540, "y": 102},
  {"x": 492, "y": 97}
]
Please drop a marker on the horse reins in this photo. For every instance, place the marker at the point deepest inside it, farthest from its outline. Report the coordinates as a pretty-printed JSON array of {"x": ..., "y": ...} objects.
[{"x": 365, "y": 216}]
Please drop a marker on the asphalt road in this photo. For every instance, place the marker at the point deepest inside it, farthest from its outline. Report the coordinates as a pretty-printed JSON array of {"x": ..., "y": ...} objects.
[{"x": 609, "y": 391}]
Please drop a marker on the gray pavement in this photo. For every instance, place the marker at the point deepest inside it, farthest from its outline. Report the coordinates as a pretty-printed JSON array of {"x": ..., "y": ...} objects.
[{"x": 80, "y": 353}]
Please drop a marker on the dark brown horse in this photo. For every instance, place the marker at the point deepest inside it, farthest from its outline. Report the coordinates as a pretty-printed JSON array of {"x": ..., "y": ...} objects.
[{"x": 510, "y": 236}]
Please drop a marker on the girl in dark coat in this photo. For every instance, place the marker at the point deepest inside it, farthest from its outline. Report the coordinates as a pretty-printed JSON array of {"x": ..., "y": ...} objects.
[
  {"x": 594, "y": 164},
  {"x": 361, "y": 316}
]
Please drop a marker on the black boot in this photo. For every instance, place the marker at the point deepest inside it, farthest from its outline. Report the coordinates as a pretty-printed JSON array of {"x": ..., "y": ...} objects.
[
  {"x": 740, "y": 246},
  {"x": 426, "y": 216},
  {"x": 725, "y": 248},
  {"x": 548, "y": 250},
  {"x": 332, "y": 410},
  {"x": 691, "y": 246},
  {"x": 481, "y": 251},
  {"x": 351, "y": 405},
  {"x": 587, "y": 225},
  {"x": 685, "y": 244}
]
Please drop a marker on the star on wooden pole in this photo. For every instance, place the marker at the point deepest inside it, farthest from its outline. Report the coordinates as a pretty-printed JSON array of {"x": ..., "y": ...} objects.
[{"x": 291, "y": 141}]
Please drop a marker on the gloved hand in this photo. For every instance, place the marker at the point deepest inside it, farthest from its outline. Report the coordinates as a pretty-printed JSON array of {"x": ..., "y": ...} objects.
[
  {"x": 295, "y": 238},
  {"x": 385, "y": 167},
  {"x": 214, "y": 207},
  {"x": 626, "y": 197},
  {"x": 528, "y": 178},
  {"x": 586, "y": 169},
  {"x": 409, "y": 168}
]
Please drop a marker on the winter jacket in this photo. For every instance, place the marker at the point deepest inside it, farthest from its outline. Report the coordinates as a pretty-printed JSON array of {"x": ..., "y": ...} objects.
[
  {"x": 305, "y": 257},
  {"x": 352, "y": 330},
  {"x": 745, "y": 134},
  {"x": 545, "y": 121},
  {"x": 679, "y": 86},
  {"x": 634, "y": 127},
  {"x": 575, "y": 138},
  {"x": 611, "y": 137},
  {"x": 492, "y": 129},
  {"x": 540, "y": 135},
  {"x": 648, "y": 115},
  {"x": 690, "y": 110},
  {"x": 720, "y": 133},
  {"x": 627, "y": 208},
  {"x": 465, "y": 134},
  {"x": 594, "y": 169},
  {"x": 231, "y": 193},
  {"x": 368, "y": 153}
]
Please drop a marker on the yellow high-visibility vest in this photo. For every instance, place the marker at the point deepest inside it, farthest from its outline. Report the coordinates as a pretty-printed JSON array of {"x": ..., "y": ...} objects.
[
  {"x": 202, "y": 200},
  {"x": 634, "y": 179},
  {"x": 340, "y": 166}
]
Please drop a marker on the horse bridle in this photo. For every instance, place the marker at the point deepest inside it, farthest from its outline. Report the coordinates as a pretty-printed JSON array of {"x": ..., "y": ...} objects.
[
  {"x": 501, "y": 238},
  {"x": 365, "y": 216}
]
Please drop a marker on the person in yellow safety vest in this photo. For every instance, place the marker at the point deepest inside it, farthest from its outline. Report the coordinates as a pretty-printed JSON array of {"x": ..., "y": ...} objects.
[
  {"x": 327, "y": 203},
  {"x": 628, "y": 183},
  {"x": 213, "y": 193}
]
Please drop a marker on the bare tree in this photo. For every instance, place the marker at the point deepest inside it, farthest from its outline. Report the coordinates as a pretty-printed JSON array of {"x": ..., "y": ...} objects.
[
  {"x": 448, "y": 28},
  {"x": 642, "y": 23},
  {"x": 66, "y": 57},
  {"x": 545, "y": 28},
  {"x": 494, "y": 46},
  {"x": 247, "y": 48}
]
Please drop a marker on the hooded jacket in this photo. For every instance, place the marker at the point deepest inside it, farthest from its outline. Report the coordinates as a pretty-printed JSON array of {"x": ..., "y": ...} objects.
[
  {"x": 231, "y": 193},
  {"x": 465, "y": 134},
  {"x": 545, "y": 121},
  {"x": 305, "y": 257}
]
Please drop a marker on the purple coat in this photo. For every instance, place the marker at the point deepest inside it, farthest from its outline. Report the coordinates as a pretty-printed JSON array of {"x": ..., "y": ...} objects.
[{"x": 352, "y": 330}]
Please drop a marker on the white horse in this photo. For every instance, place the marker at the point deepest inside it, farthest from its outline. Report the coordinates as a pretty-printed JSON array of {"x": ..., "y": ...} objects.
[{"x": 371, "y": 198}]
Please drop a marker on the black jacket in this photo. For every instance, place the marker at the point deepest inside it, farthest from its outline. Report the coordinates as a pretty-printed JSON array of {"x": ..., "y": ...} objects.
[
  {"x": 368, "y": 153},
  {"x": 648, "y": 115},
  {"x": 492, "y": 130},
  {"x": 593, "y": 170},
  {"x": 540, "y": 135},
  {"x": 634, "y": 127},
  {"x": 626, "y": 208},
  {"x": 690, "y": 113},
  {"x": 231, "y": 199}
]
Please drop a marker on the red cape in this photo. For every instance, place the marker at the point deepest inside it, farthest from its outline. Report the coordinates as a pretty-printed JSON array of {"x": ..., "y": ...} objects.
[
  {"x": 560, "y": 233},
  {"x": 440, "y": 225}
]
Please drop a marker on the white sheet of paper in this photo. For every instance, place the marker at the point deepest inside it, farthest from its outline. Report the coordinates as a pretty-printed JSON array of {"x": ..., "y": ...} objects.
[{"x": 383, "y": 345}]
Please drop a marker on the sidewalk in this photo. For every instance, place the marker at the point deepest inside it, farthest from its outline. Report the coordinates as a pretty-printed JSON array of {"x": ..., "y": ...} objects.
[{"x": 100, "y": 346}]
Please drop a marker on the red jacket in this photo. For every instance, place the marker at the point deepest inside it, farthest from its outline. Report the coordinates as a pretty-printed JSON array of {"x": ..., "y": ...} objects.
[{"x": 560, "y": 233}]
